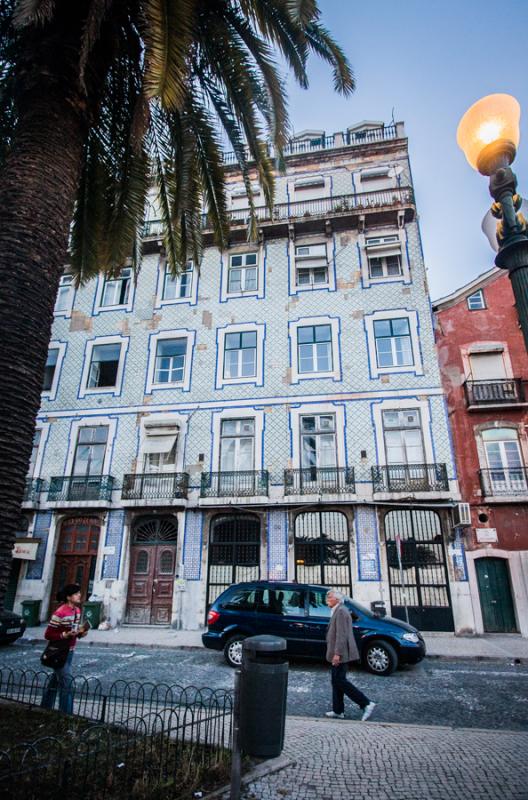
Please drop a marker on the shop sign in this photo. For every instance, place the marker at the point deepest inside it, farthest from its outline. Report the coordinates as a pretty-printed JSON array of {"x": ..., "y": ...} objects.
[{"x": 26, "y": 549}]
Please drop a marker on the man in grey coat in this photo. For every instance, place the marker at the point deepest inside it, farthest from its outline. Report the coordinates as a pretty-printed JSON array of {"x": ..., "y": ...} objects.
[{"x": 341, "y": 648}]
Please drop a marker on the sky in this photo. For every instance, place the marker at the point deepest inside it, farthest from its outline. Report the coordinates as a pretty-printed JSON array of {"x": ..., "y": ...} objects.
[{"x": 427, "y": 62}]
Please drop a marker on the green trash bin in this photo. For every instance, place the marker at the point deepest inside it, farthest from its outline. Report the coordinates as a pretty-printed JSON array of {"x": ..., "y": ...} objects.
[
  {"x": 31, "y": 612},
  {"x": 92, "y": 611}
]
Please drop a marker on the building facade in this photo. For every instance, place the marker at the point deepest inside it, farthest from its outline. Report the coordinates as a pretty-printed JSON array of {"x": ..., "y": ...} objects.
[
  {"x": 275, "y": 413},
  {"x": 484, "y": 368}
]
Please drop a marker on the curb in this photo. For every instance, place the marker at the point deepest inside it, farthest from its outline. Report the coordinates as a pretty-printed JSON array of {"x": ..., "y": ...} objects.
[
  {"x": 255, "y": 774},
  {"x": 149, "y": 646}
]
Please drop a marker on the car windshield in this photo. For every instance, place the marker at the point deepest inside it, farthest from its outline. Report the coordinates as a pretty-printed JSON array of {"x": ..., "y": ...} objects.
[{"x": 353, "y": 605}]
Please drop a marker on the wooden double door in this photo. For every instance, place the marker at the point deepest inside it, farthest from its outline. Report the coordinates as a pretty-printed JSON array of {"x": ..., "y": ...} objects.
[
  {"x": 76, "y": 556},
  {"x": 152, "y": 571}
]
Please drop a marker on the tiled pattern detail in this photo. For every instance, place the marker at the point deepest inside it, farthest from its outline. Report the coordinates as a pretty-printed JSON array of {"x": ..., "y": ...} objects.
[
  {"x": 459, "y": 557},
  {"x": 192, "y": 545},
  {"x": 40, "y": 531},
  {"x": 277, "y": 546},
  {"x": 114, "y": 538},
  {"x": 367, "y": 544}
]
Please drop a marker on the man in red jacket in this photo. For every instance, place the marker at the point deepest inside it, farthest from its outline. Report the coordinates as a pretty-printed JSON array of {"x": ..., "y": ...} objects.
[{"x": 341, "y": 648}]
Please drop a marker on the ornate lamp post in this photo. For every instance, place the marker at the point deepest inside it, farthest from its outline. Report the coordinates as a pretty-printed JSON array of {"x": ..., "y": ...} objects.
[{"x": 488, "y": 134}]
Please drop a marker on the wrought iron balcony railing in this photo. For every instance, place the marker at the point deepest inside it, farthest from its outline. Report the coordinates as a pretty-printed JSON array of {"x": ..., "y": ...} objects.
[
  {"x": 410, "y": 478},
  {"x": 155, "y": 486},
  {"x": 509, "y": 391},
  {"x": 80, "y": 488},
  {"x": 282, "y": 212},
  {"x": 496, "y": 482},
  {"x": 319, "y": 480},
  {"x": 32, "y": 490},
  {"x": 245, "y": 483},
  {"x": 346, "y": 139}
]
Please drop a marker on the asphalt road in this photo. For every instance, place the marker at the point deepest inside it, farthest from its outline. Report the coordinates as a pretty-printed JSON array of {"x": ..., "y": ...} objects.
[{"x": 469, "y": 693}]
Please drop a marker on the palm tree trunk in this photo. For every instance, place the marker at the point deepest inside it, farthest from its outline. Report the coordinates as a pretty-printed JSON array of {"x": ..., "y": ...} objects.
[{"x": 37, "y": 191}]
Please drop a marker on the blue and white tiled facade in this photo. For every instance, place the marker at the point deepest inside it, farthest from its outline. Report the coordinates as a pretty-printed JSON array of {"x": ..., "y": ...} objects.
[{"x": 362, "y": 191}]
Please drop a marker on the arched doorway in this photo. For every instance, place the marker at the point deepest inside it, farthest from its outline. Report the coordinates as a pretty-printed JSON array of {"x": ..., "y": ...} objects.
[
  {"x": 234, "y": 553},
  {"x": 322, "y": 549},
  {"x": 418, "y": 578},
  {"x": 76, "y": 555},
  {"x": 493, "y": 578},
  {"x": 152, "y": 569}
]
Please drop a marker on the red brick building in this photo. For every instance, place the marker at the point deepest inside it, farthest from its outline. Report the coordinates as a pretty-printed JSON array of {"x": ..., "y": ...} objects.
[{"x": 484, "y": 368}]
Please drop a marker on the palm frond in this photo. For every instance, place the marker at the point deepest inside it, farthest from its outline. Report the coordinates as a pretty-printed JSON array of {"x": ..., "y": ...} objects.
[
  {"x": 28, "y": 12},
  {"x": 97, "y": 12},
  {"x": 322, "y": 43},
  {"x": 168, "y": 38},
  {"x": 303, "y": 11},
  {"x": 163, "y": 159}
]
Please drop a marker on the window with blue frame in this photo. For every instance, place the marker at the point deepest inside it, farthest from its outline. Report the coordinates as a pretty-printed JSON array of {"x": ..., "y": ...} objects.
[
  {"x": 314, "y": 349},
  {"x": 116, "y": 291},
  {"x": 243, "y": 273},
  {"x": 178, "y": 287},
  {"x": 393, "y": 342},
  {"x": 240, "y": 355},
  {"x": 169, "y": 367}
]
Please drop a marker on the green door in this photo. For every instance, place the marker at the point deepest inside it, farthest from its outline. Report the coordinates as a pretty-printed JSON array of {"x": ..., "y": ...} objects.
[{"x": 495, "y": 595}]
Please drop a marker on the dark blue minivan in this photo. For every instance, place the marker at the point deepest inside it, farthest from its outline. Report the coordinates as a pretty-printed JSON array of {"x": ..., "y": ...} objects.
[{"x": 298, "y": 613}]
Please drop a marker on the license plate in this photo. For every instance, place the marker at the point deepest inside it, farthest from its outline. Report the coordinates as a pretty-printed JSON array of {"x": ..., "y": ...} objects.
[{"x": 13, "y": 630}]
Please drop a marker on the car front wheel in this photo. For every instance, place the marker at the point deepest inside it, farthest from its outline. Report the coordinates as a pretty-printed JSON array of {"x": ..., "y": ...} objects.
[
  {"x": 233, "y": 650},
  {"x": 380, "y": 657}
]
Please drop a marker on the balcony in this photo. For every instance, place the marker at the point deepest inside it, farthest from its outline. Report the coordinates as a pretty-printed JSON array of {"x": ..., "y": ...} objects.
[
  {"x": 317, "y": 144},
  {"x": 502, "y": 392},
  {"x": 246, "y": 483},
  {"x": 81, "y": 489},
  {"x": 155, "y": 486},
  {"x": 410, "y": 478},
  {"x": 32, "y": 491},
  {"x": 504, "y": 482},
  {"x": 319, "y": 480},
  {"x": 313, "y": 213}
]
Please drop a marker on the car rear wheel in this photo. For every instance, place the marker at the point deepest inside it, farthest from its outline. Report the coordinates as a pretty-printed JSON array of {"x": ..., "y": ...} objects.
[
  {"x": 380, "y": 657},
  {"x": 233, "y": 650}
]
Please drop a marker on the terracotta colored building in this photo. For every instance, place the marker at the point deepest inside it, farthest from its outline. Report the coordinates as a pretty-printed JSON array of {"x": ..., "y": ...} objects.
[{"x": 484, "y": 368}]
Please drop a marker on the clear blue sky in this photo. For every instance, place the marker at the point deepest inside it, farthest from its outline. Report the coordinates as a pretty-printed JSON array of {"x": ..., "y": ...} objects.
[{"x": 429, "y": 61}]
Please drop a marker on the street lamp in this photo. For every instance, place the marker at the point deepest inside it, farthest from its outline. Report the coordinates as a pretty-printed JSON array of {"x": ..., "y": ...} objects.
[{"x": 488, "y": 134}]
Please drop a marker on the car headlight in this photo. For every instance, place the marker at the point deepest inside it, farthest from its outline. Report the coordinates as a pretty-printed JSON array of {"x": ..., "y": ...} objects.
[{"x": 411, "y": 637}]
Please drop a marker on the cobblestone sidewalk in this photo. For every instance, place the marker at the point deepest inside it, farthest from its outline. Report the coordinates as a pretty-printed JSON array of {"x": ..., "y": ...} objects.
[{"x": 341, "y": 760}]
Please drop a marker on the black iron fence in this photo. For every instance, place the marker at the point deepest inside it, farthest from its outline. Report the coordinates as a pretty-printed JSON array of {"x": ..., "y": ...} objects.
[
  {"x": 79, "y": 488},
  {"x": 244, "y": 483},
  {"x": 496, "y": 392},
  {"x": 32, "y": 490},
  {"x": 496, "y": 482},
  {"x": 128, "y": 739},
  {"x": 316, "y": 480},
  {"x": 410, "y": 478},
  {"x": 155, "y": 486}
]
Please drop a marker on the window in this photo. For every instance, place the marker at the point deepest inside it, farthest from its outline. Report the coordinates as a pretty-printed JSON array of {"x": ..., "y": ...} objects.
[
  {"x": 386, "y": 266},
  {"x": 240, "y": 600},
  {"x": 243, "y": 273},
  {"x": 487, "y": 366},
  {"x": 177, "y": 287},
  {"x": 476, "y": 301},
  {"x": 240, "y": 355},
  {"x": 34, "y": 453},
  {"x": 90, "y": 450},
  {"x": 307, "y": 184},
  {"x": 160, "y": 462},
  {"x": 64, "y": 301},
  {"x": 402, "y": 431},
  {"x": 311, "y": 265},
  {"x": 314, "y": 348},
  {"x": 104, "y": 366},
  {"x": 393, "y": 342},
  {"x": 237, "y": 445},
  {"x": 503, "y": 456},
  {"x": 50, "y": 369},
  {"x": 318, "y": 441},
  {"x": 169, "y": 365},
  {"x": 317, "y": 605},
  {"x": 116, "y": 291},
  {"x": 284, "y": 602},
  {"x": 159, "y": 446}
]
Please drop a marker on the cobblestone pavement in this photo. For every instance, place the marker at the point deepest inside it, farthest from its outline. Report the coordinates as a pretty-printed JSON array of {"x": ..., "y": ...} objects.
[{"x": 342, "y": 760}]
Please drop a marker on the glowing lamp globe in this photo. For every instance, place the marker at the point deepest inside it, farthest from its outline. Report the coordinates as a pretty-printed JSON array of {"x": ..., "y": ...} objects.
[{"x": 488, "y": 133}]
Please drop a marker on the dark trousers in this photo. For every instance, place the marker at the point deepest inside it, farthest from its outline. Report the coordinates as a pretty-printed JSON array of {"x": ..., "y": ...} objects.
[{"x": 342, "y": 687}]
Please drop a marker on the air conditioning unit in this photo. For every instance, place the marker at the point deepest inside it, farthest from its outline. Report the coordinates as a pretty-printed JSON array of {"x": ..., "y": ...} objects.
[{"x": 461, "y": 515}]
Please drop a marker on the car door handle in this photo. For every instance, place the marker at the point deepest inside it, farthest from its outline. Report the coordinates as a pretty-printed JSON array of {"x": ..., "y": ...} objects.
[{"x": 296, "y": 625}]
